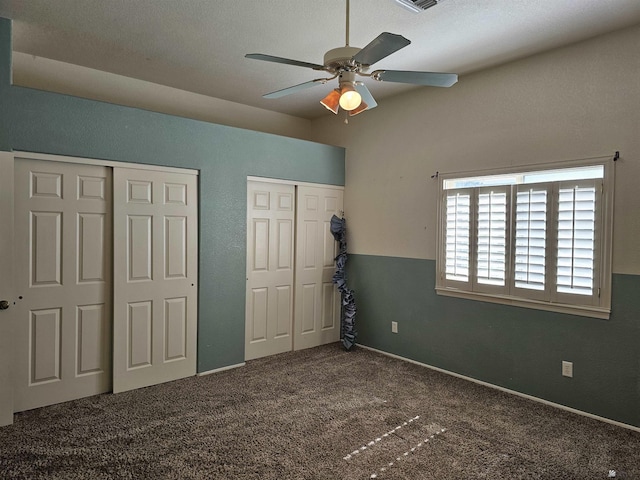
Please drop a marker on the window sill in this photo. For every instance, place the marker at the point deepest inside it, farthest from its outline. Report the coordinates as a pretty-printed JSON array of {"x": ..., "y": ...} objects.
[{"x": 584, "y": 311}]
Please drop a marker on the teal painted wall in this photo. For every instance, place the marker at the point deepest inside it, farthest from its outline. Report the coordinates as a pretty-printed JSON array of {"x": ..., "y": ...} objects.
[
  {"x": 58, "y": 124},
  {"x": 516, "y": 348},
  {"x": 5, "y": 81}
]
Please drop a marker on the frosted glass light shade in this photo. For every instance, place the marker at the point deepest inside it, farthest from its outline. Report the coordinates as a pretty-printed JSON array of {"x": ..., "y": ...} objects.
[{"x": 350, "y": 99}]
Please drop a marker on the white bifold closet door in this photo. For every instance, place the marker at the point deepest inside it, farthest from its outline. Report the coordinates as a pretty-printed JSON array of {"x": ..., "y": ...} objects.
[
  {"x": 62, "y": 249},
  {"x": 291, "y": 301},
  {"x": 155, "y": 277}
]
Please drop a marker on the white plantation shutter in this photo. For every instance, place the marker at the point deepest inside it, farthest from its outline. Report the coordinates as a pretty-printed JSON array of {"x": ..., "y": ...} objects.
[
  {"x": 491, "y": 235},
  {"x": 539, "y": 239},
  {"x": 457, "y": 235},
  {"x": 576, "y": 240},
  {"x": 532, "y": 207}
]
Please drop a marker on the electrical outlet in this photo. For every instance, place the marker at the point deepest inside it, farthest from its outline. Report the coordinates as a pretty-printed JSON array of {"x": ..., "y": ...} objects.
[
  {"x": 567, "y": 369},
  {"x": 394, "y": 327}
]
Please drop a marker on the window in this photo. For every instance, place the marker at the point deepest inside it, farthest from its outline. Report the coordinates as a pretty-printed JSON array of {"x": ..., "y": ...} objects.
[{"x": 537, "y": 238}]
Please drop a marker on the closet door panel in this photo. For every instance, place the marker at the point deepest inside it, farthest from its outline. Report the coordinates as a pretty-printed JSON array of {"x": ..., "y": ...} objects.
[
  {"x": 155, "y": 277},
  {"x": 317, "y": 303},
  {"x": 62, "y": 255},
  {"x": 270, "y": 257}
]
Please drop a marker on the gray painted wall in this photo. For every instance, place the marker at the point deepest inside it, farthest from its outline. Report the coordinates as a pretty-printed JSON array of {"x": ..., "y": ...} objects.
[
  {"x": 516, "y": 348},
  {"x": 51, "y": 123}
]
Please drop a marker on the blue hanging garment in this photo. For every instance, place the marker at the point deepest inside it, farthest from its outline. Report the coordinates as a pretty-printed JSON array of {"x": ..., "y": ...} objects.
[{"x": 348, "y": 311}]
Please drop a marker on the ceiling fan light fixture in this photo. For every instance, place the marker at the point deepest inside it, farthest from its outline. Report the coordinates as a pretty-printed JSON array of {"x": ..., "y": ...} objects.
[
  {"x": 332, "y": 101},
  {"x": 349, "y": 62},
  {"x": 349, "y": 98},
  {"x": 363, "y": 106}
]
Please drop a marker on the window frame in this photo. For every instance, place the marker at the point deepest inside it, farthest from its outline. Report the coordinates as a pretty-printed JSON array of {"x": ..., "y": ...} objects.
[{"x": 599, "y": 305}]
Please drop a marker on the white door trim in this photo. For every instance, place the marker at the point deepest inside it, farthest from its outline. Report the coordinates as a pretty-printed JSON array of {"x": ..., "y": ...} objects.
[
  {"x": 251, "y": 178},
  {"x": 7, "y": 288},
  {"x": 103, "y": 163}
]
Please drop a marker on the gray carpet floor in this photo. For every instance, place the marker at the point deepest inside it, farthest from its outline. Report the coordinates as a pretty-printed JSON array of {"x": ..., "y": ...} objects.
[{"x": 316, "y": 414}]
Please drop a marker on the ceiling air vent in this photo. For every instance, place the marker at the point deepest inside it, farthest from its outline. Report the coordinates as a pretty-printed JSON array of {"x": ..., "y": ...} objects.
[{"x": 418, "y": 6}]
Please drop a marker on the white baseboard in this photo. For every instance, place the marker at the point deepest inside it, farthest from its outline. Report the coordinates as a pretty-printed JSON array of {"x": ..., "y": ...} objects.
[
  {"x": 502, "y": 389},
  {"x": 221, "y": 369}
]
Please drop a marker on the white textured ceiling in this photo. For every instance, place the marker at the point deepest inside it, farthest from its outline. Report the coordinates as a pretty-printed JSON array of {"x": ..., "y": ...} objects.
[{"x": 199, "y": 45}]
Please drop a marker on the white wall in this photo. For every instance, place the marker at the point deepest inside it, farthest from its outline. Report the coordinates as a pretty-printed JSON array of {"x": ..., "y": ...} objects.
[
  {"x": 51, "y": 75},
  {"x": 575, "y": 102}
]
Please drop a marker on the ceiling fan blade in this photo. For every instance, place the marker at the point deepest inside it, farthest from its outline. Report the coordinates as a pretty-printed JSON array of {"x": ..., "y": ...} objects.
[
  {"x": 431, "y": 79},
  {"x": 294, "y": 89},
  {"x": 382, "y": 46},
  {"x": 367, "y": 98},
  {"x": 286, "y": 61}
]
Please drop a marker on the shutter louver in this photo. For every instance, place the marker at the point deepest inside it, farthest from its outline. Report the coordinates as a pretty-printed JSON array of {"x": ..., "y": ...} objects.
[
  {"x": 531, "y": 238},
  {"x": 576, "y": 240},
  {"x": 492, "y": 237},
  {"x": 457, "y": 236}
]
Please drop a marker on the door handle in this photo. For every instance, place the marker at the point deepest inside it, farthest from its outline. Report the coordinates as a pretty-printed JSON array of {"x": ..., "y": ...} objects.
[{"x": 4, "y": 304}]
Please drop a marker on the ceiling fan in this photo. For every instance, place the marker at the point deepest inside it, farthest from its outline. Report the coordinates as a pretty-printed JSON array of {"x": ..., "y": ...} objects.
[{"x": 345, "y": 63}]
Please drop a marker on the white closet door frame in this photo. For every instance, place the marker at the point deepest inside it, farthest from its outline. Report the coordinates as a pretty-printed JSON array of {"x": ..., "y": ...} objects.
[
  {"x": 103, "y": 163},
  {"x": 319, "y": 335},
  {"x": 7, "y": 291},
  {"x": 251, "y": 178},
  {"x": 6, "y": 287}
]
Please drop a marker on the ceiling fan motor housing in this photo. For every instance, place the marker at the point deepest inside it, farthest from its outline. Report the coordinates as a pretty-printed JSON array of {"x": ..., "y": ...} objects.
[
  {"x": 339, "y": 58},
  {"x": 348, "y": 78}
]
